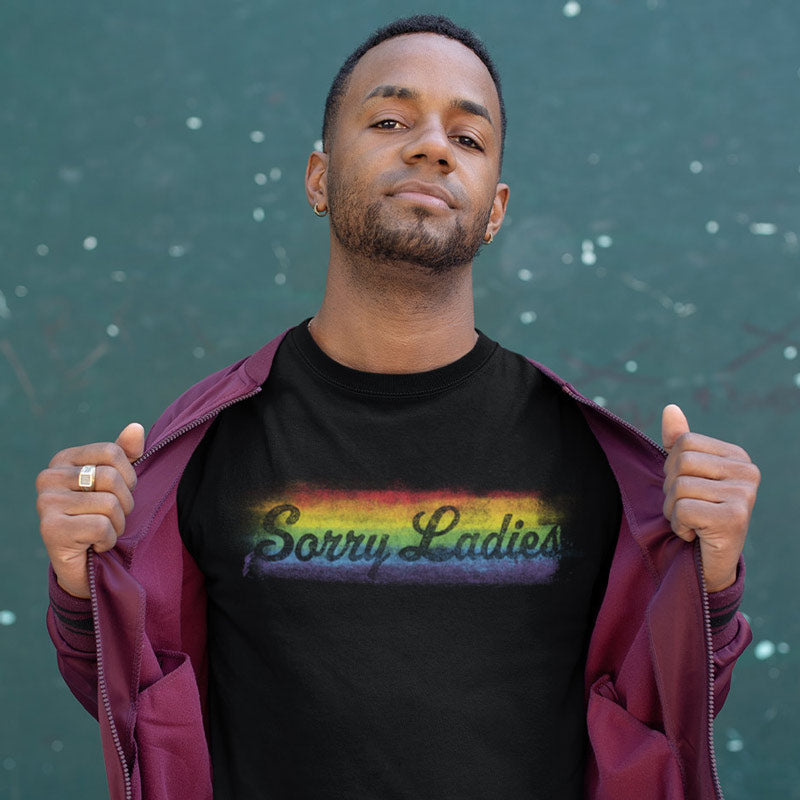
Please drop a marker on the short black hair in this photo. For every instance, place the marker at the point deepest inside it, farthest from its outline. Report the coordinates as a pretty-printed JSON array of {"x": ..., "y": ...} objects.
[{"x": 420, "y": 23}]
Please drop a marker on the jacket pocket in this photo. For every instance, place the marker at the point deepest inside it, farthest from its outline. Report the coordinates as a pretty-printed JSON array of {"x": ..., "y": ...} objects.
[
  {"x": 172, "y": 757},
  {"x": 628, "y": 758}
]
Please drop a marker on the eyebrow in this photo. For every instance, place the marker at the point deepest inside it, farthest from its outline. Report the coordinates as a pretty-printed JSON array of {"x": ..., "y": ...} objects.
[{"x": 402, "y": 93}]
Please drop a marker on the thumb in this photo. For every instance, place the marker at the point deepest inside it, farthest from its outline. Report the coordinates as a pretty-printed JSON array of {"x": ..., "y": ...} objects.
[
  {"x": 673, "y": 425},
  {"x": 131, "y": 440}
]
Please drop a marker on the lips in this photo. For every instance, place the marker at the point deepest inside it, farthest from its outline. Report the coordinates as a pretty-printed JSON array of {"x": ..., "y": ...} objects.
[{"x": 424, "y": 193}]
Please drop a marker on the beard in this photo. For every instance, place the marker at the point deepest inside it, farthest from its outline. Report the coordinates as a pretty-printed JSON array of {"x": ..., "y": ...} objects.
[{"x": 369, "y": 231}]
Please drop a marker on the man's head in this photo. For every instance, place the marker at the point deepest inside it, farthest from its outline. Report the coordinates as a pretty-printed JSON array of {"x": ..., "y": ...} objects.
[
  {"x": 412, "y": 156},
  {"x": 421, "y": 23}
]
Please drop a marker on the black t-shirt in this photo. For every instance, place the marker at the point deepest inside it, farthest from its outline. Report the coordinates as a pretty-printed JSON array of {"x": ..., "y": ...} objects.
[{"x": 402, "y": 573}]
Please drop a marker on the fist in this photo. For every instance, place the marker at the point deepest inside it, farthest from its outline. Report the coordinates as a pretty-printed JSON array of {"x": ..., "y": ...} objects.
[
  {"x": 73, "y": 520},
  {"x": 710, "y": 488}
]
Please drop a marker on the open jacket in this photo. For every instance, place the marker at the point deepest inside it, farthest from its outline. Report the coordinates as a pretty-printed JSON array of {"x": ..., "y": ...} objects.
[{"x": 135, "y": 653}]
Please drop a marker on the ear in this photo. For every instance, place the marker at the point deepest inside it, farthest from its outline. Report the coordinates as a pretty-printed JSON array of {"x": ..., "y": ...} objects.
[
  {"x": 498, "y": 212},
  {"x": 317, "y": 180}
]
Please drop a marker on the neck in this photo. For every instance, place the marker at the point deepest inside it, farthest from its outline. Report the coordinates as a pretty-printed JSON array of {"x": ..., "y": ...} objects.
[{"x": 394, "y": 317}]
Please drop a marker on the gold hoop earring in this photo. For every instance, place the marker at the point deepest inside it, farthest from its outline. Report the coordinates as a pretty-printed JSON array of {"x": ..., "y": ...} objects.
[
  {"x": 323, "y": 213},
  {"x": 489, "y": 238}
]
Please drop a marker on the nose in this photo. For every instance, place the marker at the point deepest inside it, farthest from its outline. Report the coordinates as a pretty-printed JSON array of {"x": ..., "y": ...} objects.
[{"x": 430, "y": 143}]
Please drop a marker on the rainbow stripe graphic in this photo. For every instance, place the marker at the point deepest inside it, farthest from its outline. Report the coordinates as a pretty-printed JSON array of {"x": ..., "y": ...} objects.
[{"x": 396, "y": 536}]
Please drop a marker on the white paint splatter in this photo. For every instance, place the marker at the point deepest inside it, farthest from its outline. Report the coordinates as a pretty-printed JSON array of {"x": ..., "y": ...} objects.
[
  {"x": 7, "y": 617},
  {"x": 764, "y": 649},
  {"x": 734, "y": 745},
  {"x": 764, "y": 228}
]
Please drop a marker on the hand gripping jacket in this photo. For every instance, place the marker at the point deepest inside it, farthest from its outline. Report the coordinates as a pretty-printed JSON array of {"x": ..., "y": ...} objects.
[{"x": 656, "y": 674}]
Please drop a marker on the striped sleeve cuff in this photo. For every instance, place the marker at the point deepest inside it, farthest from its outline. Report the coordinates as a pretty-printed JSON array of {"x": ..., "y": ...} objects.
[
  {"x": 723, "y": 607},
  {"x": 72, "y": 616}
]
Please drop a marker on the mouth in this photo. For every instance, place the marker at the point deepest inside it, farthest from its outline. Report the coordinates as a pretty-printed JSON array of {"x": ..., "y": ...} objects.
[{"x": 430, "y": 195}]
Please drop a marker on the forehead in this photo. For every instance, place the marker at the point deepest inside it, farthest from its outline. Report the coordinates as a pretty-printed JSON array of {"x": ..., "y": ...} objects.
[{"x": 432, "y": 65}]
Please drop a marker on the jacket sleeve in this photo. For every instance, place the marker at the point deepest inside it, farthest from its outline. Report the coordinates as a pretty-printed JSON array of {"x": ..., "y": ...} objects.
[
  {"x": 730, "y": 634},
  {"x": 69, "y": 623}
]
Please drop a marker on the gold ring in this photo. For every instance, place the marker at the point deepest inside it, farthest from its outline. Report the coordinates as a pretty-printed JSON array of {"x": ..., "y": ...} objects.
[{"x": 86, "y": 478}]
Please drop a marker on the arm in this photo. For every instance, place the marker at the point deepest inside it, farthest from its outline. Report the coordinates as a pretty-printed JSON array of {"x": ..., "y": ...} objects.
[
  {"x": 72, "y": 521},
  {"x": 710, "y": 488}
]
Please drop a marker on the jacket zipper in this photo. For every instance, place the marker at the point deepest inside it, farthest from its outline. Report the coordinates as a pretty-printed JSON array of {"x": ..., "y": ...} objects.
[
  {"x": 101, "y": 678},
  {"x": 101, "y": 681},
  {"x": 706, "y": 607},
  {"x": 710, "y": 667}
]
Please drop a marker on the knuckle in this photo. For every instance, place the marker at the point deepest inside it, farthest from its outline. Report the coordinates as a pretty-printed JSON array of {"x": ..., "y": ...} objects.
[
  {"x": 61, "y": 457},
  {"x": 107, "y": 503},
  {"x": 108, "y": 452},
  {"x": 42, "y": 480},
  {"x": 739, "y": 453},
  {"x": 682, "y": 485},
  {"x": 684, "y": 461}
]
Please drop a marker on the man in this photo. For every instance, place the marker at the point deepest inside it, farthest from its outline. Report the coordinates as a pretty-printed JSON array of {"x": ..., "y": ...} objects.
[{"x": 383, "y": 556}]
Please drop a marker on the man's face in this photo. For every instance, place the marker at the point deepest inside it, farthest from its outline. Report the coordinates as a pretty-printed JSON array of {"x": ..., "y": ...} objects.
[{"x": 415, "y": 154}]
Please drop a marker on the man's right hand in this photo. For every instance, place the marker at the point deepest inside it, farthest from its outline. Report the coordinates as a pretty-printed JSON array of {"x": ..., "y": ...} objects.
[{"x": 73, "y": 520}]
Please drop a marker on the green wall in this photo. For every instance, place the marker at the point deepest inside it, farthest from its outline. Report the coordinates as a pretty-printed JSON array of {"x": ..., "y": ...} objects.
[{"x": 153, "y": 228}]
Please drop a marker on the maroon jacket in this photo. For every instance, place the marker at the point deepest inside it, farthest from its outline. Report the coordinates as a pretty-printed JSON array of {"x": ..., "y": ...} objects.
[{"x": 135, "y": 654}]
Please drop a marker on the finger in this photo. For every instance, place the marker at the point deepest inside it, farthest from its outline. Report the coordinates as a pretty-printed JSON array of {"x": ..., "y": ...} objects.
[
  {"x": 711, "y": 467},
  {"x": 699, "y": 443},
  {"x": 729, "y": 518},
  {"x": 96, "y": 503},
  {"x": 71, "y": 535},
  {"x": 53, "y": 505},
  {"x": 131, "y": 440},
  {"x": 680, "y": 527},
  {"x": 65, "y": 479},
  {"x": 688, "y": 487},
  {"x": 673, "y": 425},
  {"x": 100, "y": 454}
]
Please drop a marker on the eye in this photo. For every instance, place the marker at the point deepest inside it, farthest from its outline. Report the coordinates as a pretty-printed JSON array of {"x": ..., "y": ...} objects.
[
  {"x": 388, "y": 125},
  {"x": 468, "y": 141}
]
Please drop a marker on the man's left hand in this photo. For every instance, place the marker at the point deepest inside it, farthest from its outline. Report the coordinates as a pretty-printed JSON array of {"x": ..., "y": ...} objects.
[{"x": 710, "y": 489}]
